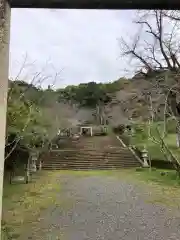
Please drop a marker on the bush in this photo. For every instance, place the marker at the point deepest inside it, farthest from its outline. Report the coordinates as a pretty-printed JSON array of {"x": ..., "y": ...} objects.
[
  {"x": 141, "y": 131},
  {"x": 171, "y": 126},
  {"x": 119, "y": 129},
  {"x": 160, "y": 164}
]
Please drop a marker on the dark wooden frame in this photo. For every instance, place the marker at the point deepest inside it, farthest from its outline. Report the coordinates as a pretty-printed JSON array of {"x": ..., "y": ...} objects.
[{"x": 96, "y": 4}]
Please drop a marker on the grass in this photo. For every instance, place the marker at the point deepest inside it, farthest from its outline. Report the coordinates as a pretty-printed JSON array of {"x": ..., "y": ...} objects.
[
  {"x": 140, "y": 139},
  {"x": 23, "y": 203},
  {"x": 162, "y": 189},
  {"x": 170, "y": 178}
]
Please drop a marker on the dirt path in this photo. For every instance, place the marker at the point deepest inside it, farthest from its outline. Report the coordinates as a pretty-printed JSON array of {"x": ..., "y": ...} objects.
[{"x": 104, "y": 207}]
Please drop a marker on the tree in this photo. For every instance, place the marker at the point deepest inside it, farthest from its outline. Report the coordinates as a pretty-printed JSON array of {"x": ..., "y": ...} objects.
[
  {"x": 28, "y": 126},
  {"x": 158, "y": 136},
  {"x": 89, "y": 95},
  {"x": 156, "y": 45}
]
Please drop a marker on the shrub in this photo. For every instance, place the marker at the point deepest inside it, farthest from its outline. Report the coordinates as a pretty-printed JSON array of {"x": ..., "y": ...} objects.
[
  {"x": 119, "y": 129},
  {"x": 171, "y": 126},
  {"x": 141, "y": 131}
]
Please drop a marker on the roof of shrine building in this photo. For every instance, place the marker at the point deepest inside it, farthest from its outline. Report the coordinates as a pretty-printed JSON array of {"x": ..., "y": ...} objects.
[{"x": 96, "y": 4}]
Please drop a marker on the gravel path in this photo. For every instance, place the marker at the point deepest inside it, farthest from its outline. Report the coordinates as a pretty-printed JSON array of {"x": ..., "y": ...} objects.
[{"x": 106, "y": 208}]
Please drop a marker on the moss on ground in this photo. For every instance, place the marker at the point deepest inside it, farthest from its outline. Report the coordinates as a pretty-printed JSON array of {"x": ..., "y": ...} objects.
[{"x": 23, "y": 203}]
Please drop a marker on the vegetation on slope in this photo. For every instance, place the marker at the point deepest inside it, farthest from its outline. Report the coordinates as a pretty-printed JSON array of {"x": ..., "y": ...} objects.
[{"x": 90, "y": 94}]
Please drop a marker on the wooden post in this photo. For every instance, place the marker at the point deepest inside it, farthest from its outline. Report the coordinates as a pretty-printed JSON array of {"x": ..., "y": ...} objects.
[
  {"x": 27, "y": 171},
  {"x": 5, "y": 13}
]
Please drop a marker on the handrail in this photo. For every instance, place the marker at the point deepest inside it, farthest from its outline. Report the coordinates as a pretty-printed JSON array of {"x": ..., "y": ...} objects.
[{"x": 130, "y": 148}]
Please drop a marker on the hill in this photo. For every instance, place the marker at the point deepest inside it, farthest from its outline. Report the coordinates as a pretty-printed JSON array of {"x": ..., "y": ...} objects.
[
  {"x": 110, "y": 103},
  {"x": 35, "y": 115}
]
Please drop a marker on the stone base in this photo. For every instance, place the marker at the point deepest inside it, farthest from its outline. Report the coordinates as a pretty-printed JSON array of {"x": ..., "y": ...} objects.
[
  {"x": 146, "y": 165},
  {"x": 18, "y": 179}
]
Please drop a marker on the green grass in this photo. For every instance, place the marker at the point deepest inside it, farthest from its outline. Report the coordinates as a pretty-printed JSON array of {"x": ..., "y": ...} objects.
[
  {"x": 141, "y": 139},
  {"x": 162, "y": 189},
  {"x": 23, "y": 203},
  {"x": 154, "y": 176}
]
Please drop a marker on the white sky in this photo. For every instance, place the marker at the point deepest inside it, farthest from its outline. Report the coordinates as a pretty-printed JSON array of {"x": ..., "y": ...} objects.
[{"x": 81, "y": 43}]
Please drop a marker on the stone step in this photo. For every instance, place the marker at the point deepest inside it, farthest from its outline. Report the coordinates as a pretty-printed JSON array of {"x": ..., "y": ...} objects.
[
  {"x": 89, "y": 152},
  {"x": 90, "y": 156},
  {"x": 88, "y": 149},
  {"x": 66, "y": 151},
  {"x": 91, "y": 162},
  {"x": 82, "y": 167},
  {"x": 90, "y": 166},
  {"x": 81, "y": 157}
]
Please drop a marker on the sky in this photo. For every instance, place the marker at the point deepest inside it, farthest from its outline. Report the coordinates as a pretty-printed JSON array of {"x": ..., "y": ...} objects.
[{"x": 68, "y": 47}]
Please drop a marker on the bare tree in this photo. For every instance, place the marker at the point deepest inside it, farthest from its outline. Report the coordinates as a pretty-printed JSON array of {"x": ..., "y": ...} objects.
[
  {"x": 172, "y": 15},
  {"x": 156, "y": 45},
  {"x": 26, "y": 131},
  {"x": 159, "y": 137}
]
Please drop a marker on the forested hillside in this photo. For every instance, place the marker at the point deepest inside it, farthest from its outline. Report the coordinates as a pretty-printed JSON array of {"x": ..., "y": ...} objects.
[{"x": 37, "y": 113}]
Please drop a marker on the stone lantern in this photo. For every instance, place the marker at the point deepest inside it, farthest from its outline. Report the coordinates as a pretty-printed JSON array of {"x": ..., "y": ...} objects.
[
  {"x": 33, "y": 162},
  {"x": 145, "y": 157}
]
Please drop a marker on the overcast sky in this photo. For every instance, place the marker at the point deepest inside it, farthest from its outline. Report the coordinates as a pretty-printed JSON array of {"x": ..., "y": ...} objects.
[{"x": 79, "y": 45}]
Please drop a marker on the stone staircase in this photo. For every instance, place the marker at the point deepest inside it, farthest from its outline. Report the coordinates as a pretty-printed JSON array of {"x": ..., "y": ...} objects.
[{"x": 90, "y": 153}]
